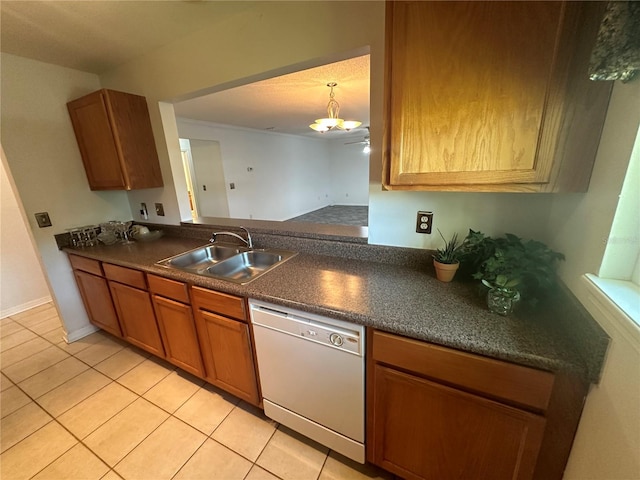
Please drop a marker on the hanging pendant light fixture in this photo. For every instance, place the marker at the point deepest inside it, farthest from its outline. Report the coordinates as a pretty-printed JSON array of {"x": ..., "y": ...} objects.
[{"x": 333, "y": 120}]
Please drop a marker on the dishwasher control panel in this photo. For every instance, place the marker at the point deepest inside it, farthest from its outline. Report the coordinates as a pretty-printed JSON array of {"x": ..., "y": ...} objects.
[
  {"x": 331, "y": 335},
  {"x": 328, "y": 331}
]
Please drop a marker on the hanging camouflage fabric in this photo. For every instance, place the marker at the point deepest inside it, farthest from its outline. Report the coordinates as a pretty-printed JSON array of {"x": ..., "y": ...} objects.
[{"x": 616, "y": 55}]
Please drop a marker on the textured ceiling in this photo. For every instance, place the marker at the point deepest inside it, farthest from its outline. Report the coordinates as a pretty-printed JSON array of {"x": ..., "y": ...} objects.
[
  {"x": 96, "y": 36},
  {"x": 289, "y": 103}
]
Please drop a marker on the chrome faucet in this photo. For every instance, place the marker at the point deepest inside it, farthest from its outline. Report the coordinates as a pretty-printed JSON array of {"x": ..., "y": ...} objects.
[{"x": 248, "y": 241}]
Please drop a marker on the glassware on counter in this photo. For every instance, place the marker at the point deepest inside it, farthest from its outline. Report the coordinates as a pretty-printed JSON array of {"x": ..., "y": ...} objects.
[
  {"x": 86, "y": 236},
  {"x": 122, "y": 228}
]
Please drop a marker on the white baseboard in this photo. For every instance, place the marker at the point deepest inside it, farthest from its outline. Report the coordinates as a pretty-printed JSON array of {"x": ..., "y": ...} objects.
[
  {"x": 71, "y": 337},
  {"x": 25, "y": 306}
]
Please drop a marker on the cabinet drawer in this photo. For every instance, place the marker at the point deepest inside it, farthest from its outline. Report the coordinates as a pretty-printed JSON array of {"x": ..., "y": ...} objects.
[
  {"x": 168, "y": 288},
  {"x": 519, "y": 385},
  {"x": 218, "y": 302},
  {"x": 128, "y": 276},
  {"x": 86, "y": 264}
]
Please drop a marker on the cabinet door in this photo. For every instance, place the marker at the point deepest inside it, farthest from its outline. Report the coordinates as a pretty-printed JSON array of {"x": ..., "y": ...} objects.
[
  {"x": 96, "y": 142},
  {"x": 97, "y": 301},
  {"x": 138, "y": 321},
  {"x": 229, "y": 355},
  {"x": 179, "y": 334},
  {"x": 116, "y": 142},
  {"x": 422, "y": 429},
  {"x": 484, "y": 95},
  {"x": 134, "y": 139}
]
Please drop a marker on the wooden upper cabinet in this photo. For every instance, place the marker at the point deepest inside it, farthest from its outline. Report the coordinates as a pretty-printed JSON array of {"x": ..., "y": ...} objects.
[
  {"x": 116, "y": 142},
  {"x": 491, "y": 96}
]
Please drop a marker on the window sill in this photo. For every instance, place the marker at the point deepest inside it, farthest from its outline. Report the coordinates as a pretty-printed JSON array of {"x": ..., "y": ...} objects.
[{"x": 618, "y": 301}]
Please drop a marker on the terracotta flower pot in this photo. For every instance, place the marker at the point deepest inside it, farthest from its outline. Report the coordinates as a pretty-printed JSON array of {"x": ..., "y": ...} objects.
[{"x": 445, "y": 271}]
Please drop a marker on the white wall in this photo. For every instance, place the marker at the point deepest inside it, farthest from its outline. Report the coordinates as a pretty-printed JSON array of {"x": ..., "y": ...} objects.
[
  {"x": 43, "y": 157},
  {"x": 607, "y": 444},
  {"x": 303, "y": 174},
  {"x": 608, "y": 439},
  {"x": 579, "y": 224},
  {"x": 290, "y": 175},
  {"x": 22, "y": 282},
  {"x": 349, "y": 173},
  {"x": 392, "y": 215}
]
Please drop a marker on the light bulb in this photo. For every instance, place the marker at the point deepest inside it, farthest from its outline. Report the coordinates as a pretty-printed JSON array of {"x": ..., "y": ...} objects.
[
  {"x": 319, "y": 128},
  {"x": 350, "y": 124}
]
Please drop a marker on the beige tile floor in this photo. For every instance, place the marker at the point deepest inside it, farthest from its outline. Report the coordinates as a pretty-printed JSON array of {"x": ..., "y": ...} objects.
[{"x": 101, "y": 409}]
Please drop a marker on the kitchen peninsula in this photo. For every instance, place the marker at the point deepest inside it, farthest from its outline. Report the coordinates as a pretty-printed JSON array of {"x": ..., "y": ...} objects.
[{"x": 524, "y": 369}]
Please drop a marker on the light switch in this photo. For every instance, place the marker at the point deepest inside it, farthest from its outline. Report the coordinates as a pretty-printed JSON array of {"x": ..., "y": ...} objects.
[{"x": 43, "y": 219}]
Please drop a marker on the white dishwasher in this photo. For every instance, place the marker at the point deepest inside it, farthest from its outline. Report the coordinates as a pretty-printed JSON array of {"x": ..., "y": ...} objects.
[{"x": 312, "y": 375}]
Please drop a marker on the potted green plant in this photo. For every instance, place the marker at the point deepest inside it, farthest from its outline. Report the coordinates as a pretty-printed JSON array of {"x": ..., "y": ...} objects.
[
  {"x": 474, "y": 249},
  {"x": 516, "y": 269},
  {"x": 445, "y": 260}
]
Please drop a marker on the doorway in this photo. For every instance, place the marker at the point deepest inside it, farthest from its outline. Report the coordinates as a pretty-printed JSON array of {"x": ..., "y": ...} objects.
[{"x": 204, "y": 174}]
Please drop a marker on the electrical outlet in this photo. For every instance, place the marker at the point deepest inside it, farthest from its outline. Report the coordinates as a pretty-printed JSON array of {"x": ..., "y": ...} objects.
[
  {"x": 143, "y": 211},
  {"x": 159, "y": 210},
  {"x": 43, "y": 219},
  {"x": 424, "y": 222}
]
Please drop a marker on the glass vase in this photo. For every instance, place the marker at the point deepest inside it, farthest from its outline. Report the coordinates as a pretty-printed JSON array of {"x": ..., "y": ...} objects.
[{"x": 502, "y": 301}]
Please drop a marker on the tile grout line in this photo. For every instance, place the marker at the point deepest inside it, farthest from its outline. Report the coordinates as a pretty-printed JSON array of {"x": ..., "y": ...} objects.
[
  {"x": 139, "y": 396},
  {"x": 262, "y": 451},
  {"x": 53, "y": 419},
  {"x": 112, "y": 380},
  {"x": 323, "y": 464},
  {"x": 254, "y": 464},
  {"x": 64, "y": 359},
  {"x": 80, "y": 441}
]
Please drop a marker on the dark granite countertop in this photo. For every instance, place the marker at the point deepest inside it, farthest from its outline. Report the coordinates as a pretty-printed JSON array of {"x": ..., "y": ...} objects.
[{"x": 399, "y": 299}]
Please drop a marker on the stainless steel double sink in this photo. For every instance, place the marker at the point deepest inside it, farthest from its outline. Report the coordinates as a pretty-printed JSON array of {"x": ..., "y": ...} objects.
[{"x": 228, "y": 262}]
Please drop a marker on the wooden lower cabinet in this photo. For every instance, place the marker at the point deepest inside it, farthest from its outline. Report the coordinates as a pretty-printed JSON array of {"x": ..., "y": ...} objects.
[
  {"x": 178, "y": 332},
  {"x": 137, "y": 317},
  {"x": 95, "y": 295},
  {"x": 225, "y": 343},
  {"x": 232, "y": 366},
  {"x": 426, "y": 430},
  {"x": 439, "y": 413},
  {"x": 211, "y": 340}
]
